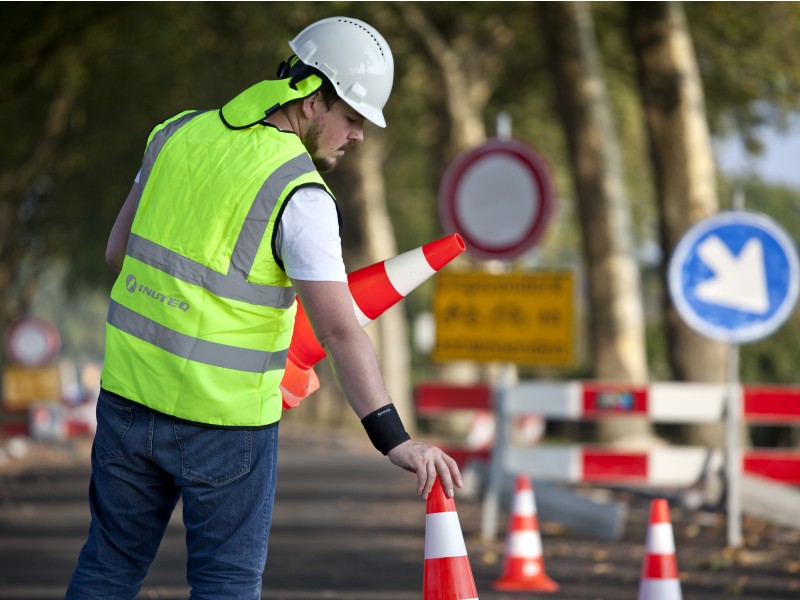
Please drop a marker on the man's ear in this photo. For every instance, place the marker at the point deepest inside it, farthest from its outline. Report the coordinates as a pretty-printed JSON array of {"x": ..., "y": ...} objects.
[{"x": 311, "y": 104}]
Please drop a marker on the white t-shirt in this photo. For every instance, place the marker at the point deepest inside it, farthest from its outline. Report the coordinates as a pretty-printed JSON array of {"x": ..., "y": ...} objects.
[{"x": 308, "y": 237}]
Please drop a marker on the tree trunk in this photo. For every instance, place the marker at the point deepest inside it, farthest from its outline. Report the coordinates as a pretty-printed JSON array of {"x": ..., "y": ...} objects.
[
  {"x": 615, "y": 312},
  {"x": 683, "y": 162},
  {"x": 390, "y": 331}
]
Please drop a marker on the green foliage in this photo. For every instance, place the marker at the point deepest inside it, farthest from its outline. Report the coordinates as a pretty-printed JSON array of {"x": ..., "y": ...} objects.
[
  {"x": 120, "y": 68},
  {"x": 749, "y": 63}
]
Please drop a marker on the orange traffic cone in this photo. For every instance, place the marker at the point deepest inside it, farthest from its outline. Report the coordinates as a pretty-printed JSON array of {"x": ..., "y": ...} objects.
[
  {"x": 448, "y": 575},
  {"x": 660, "y": 568},
  {"x": 375, "y": 289},
  {"x": 523, "y": 567}
]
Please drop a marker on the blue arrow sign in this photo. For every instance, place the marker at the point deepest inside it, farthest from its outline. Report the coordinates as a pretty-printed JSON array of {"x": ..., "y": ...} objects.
[{"x": 734, "y": 277}]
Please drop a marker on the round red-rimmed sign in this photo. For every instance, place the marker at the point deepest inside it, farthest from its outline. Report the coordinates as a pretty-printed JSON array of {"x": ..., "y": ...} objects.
[
  {"x": 499, "y": 197},
  {"x": 32, "y": 342}
]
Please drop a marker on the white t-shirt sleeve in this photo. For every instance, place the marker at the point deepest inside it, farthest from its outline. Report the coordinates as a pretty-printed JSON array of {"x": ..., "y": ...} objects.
[{"x": 308, "y": 238}]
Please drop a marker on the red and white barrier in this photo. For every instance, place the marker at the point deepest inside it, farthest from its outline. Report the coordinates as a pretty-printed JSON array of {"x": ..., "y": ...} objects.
[
  {"x": 660, "y": 402},
  {"x": 669, "y": 466}
]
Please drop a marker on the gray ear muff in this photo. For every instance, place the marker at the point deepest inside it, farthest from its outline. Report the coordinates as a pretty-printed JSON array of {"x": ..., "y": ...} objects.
[
  {"x": 295, "y": 70},
  {"x": 284, "y": 67}
]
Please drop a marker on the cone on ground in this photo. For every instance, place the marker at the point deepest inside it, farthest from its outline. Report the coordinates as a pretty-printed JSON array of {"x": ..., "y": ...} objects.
[
  {"x": 448, "y": 575},
  {"x": 375, "y": 289},
  {"x": 523, "y": 565},
  {"x": 660, "y": 567}
]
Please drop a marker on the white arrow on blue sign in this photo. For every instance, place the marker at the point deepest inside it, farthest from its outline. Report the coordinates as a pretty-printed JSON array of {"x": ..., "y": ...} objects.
[{"x": 734, "y": 276}]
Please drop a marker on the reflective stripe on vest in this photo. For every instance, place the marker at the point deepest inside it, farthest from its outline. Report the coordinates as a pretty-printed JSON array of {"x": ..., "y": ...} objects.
[
  {"x": 232, "y": 286},
  {"x": 179, "y": 344}
]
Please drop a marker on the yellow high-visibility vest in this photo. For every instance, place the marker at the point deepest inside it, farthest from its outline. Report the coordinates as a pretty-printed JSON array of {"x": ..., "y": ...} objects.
[{"x": 201, "y": 315}]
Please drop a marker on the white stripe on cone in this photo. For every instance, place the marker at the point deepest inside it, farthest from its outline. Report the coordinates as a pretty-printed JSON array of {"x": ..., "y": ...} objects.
[
  {"x": 524, "y": 504},
  {"x": 525, "y": 544},
  {"x": 660, "y": 589},
  {"x": 405, "y": 273},
  {"x": 443, "y": 536},
  {"x": 659, "y": 539},
  {"x": 408, "y": 270}
]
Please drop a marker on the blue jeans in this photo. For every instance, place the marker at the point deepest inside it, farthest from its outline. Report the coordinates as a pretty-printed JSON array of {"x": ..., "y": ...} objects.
[{"x": 142, "y": 463}]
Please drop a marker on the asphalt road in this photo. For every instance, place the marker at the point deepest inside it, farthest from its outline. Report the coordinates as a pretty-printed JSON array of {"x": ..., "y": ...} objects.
[{"x": 348, "y": 526}]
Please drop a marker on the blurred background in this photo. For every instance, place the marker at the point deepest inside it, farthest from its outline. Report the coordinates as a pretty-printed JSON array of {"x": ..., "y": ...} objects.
[{"x": 650, "y": 116}]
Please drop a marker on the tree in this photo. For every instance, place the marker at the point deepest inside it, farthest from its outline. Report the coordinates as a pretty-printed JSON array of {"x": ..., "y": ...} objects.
[
  {"x": 683, "y": 163},
  {"x": 682, "y": 159},
  {"x": 43, "y": 78},
  {"x": 616, "y": 317},
  {"x": 83, "y": 84}
]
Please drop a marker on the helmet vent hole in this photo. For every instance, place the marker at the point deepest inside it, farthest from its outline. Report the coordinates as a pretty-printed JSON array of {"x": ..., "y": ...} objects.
[{"x": 374, "y": 39}]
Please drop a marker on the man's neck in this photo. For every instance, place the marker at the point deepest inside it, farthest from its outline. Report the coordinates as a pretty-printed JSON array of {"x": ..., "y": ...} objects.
[{"x": 282, "y": 120}]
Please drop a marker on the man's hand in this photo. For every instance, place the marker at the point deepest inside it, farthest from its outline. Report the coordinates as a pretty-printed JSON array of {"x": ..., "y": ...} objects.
[{"x": 426, "y": 462}]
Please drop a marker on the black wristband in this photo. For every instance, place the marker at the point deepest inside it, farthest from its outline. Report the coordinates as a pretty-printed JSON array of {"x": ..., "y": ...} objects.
[{"x": 385, "y": 429}]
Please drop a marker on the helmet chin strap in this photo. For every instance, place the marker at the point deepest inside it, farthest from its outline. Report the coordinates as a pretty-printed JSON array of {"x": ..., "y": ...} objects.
[{"x": 258, "y": 102}]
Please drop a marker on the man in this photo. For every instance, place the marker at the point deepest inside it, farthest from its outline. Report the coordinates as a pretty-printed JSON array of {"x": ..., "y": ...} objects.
[{"x": 228, "y": 220}]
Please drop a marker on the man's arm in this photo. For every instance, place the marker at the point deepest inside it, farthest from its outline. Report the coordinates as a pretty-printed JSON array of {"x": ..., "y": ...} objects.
[
  {"x": 118, "y": 240},
  {"x": 329, "y": 308}
]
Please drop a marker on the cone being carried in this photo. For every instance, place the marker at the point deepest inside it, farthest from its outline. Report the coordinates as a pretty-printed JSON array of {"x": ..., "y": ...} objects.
[
  {"x": 448, "y": 575},
  {"x": 375, "y": 289}
]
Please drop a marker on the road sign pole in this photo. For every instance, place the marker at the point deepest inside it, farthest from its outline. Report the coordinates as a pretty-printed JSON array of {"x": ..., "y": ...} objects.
[
  {"x": 502, "y": 437},
  {"x": 733, "y": 448}
]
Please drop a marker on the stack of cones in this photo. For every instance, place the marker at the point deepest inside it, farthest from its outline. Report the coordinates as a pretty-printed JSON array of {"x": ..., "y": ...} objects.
[
  {"x": 660, "y": 568},
  {"x": 523, "y": 567},
  {"x": 374, "y": 289},
  {"x": 448, "y": 575}
]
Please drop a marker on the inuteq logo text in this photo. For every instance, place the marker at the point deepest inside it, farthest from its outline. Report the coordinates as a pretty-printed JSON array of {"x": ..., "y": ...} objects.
[{"x": 133, "y": 287}]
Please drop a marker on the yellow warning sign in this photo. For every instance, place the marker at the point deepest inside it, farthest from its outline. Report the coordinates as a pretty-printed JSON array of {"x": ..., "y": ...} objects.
[
  {"x": 522, "y": 318},
  {"x": 22, "y": 386}
]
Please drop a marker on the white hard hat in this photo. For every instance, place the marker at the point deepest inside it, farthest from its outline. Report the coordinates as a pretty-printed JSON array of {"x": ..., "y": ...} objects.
[{"x": 354, "y": 57}]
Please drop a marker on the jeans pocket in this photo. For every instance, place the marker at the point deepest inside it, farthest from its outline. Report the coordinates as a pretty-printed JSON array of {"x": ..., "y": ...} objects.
[
  {"x": 113, "y": 422},
  {"x": 214, "y": 455}
]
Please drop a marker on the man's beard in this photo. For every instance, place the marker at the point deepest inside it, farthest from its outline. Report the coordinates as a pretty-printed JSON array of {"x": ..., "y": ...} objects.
[
  {"x": 322, "y": 164},
  {"x": 325, "y": 165}
]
